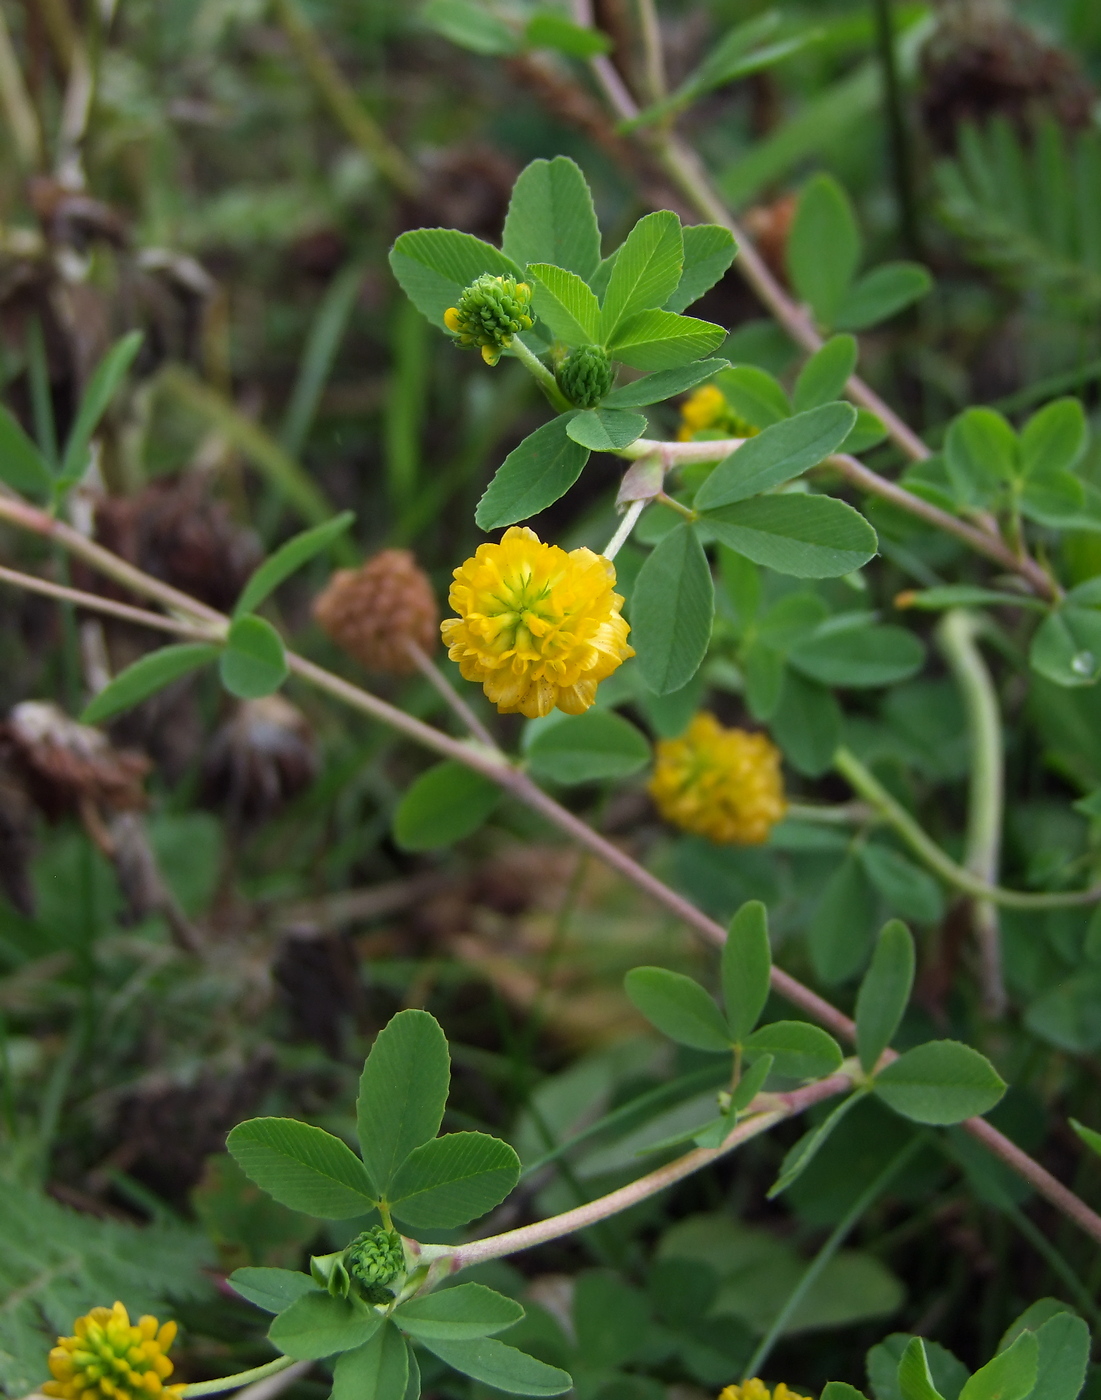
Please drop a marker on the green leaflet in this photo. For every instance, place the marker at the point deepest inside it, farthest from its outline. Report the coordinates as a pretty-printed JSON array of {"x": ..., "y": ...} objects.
[
  {"x": 288, "y": 559},
  {"x": 303, "y": 1167},
  {"x": 253, "y": 662},
  {"x": 671, "y": 611},
  {"x": 940, "y": 1082},
  {"x": 779, "y": 453},
  {"x": 435, "y": 265},
  {"x": 588, "y": 748},
  {"x": 533, "y": 476},
  {"x": 146, "y": 676},
  {"x": 551, "y": 219},
  {"x": 461, "y": 1313},
  {"x": 884, "y": 993},
  {"x": 445, "y": 804},
  {"x": 453, "y": 1179},
  {"x": 500, "y": 1366},
  {"x": 645, "y": 275},
  {"x": 379, "y": 1370},
  {"x": 802, "y": 535},
  {"x": 402, "y": 1093},
  {"x": 317, "y": 1325},
  {"x": 679, "y": 1007}
]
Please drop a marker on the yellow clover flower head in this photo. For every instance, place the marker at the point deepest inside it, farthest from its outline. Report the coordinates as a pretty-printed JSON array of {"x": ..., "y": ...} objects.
[
  {"x": 490, "y": 312},
  {"x": 757, "y": 1390},
  {"x": 724, "y": 784},
  {"x": 110, "y": 1357},
  {"x": 707, "y": 409},
  {"x": 537, "y": 627}
]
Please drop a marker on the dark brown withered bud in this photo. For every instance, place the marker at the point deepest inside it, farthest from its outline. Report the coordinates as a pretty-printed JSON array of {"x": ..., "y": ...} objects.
[
  {"x": 980, "y": 63},
  {"x": 64, "y": 764},
  {"x": 260, "y": 759},
  {"x": 175, "y": 531},
  {"x": 375, "y": 611}
]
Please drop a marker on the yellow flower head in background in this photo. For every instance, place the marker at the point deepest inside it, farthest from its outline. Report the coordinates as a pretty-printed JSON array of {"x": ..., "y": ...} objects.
[
  {"x": 109, "y": 1356},
  {"x": 537, "y": 627},
  {"x": 707, "y": 409},
  {"x": 757, "y": 1390},
  {"x": 724, "y": 784}
]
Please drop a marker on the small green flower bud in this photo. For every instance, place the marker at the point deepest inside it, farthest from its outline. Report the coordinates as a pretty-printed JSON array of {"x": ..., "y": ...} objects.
[
  {"x": 329, "y": 1271},
  {"x": 585, "y": 375},
  {"x": 490, "y": 312},
  {"x": 374, "y": 1259}
]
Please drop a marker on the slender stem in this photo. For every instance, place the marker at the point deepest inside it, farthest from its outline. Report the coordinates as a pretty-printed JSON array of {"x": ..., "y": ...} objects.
[
  {"x": 850, "y": 767},
  {"x": 541, "y": 374},
  {"x": 242, "y": 1378},
  {"x": 28, "y": 517},
  {"x": 94, "y": 603},
  {"x": 341, "y": 99},
  {"x": 489, "y": 763},
  {"x": 837, "y": 814},
  {"x": 674, "y": 504},
  {"x": 901, "y": 162},
  {"x": 623, "y": 531},
  {"x": 681, "y": 452},
  {"x": 16, "y": 101},
  {"x": 956, "y": 633},
  {"x": 435, "y": 677},
  {"x": 814, "y": 1269},
  {"x": 653, "y": 50},
  {"x": 553, "y": 1228},
  {"x": 1055, "y": 1261},
  {"x": 982, "y": 541}
]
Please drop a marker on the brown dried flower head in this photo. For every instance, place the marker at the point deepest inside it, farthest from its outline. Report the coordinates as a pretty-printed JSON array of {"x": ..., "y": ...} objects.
[
  {"x": 65, "y": 763},
  {"x": 375, "y": 611},
  {"x": 260, "y": 759}
]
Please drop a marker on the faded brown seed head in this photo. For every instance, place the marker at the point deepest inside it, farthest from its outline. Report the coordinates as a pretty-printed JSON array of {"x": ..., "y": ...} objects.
[{"x": 373, "y": 612}]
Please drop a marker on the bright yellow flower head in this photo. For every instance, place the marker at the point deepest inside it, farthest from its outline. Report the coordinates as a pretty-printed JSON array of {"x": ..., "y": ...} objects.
[
  {"x": 537, "y": 627},
  {"x": 724, "y": 784},
  {"x": 708, "y": 408},
  {"x": 757, "y": 1390},
  {"x": 109, "y": 1357}
]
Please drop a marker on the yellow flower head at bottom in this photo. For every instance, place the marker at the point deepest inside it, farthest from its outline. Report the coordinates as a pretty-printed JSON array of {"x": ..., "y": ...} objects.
[
  {"x": 757, "y": 1390},
  {"x": 109, "y": 1356},
  {"x": 724, "y": 784},
  {"x": 537, "y": 627}
]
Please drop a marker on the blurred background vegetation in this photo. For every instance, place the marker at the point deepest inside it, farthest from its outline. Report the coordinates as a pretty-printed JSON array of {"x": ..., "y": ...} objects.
[{"x": 208, "y": 918}]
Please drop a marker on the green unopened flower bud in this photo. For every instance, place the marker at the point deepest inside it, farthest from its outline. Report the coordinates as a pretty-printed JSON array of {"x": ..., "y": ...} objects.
[
  {"x": 374, "y": 1259},
  {"x": 490, "y": 312},
  {"x": 329, "y": 1271},
  {"x": 585, "y": 375}
]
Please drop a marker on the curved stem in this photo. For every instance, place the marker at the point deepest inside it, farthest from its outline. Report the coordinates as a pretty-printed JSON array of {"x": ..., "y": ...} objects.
[
  {"x": 956, "y": 633},
  {"x": 623, "y": 531},
  {"x": 982, "y": 541},
  {"x": 94, "y": 603},
  {"x": 439, "y": 682},
  {"x": 541, "y": 374},
  {"x": 923, "y": 846},
  {"x": 553, "y": 1228},
  {"x": 490, "y": 763},
  {"x": 242, "y": 1378}
]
